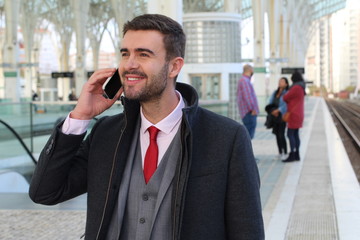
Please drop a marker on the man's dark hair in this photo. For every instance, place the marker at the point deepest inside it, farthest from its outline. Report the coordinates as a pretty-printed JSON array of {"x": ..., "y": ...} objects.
[
  {"x": 174, "y": 36},
  {"x": 297, "y": 77}
]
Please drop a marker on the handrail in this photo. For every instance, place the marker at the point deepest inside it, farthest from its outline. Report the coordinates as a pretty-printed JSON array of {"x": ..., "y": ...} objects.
[{"x": 20, "y": 140}]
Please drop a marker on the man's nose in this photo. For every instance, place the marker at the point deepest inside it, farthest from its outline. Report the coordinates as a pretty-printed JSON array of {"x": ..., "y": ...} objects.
[{"x": 131, "y": 63}]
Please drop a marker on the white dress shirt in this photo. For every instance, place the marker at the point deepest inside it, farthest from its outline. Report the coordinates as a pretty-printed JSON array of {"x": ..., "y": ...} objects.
[{"x": 168, "y": 128}]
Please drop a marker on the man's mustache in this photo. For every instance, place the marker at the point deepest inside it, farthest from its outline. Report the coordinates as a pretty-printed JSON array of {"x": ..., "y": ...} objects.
[{"x": 141, "y": 74}]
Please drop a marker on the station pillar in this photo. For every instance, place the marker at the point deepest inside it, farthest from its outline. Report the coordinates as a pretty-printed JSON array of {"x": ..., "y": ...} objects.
[
  {"x": 80, "y": 9},
  {"x": 11, "y": 89},
  {"x": 274, "y": 15},
  {"x": 260, "y": 77},
  {"x": 172, "y": 9}
]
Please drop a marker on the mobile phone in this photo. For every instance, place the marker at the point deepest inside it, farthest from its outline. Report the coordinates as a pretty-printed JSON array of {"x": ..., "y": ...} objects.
[{"x": 112, "y": 85}]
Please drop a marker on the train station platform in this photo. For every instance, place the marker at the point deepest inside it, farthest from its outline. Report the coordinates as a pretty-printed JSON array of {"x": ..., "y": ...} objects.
[{"x": 315, "y": 198}]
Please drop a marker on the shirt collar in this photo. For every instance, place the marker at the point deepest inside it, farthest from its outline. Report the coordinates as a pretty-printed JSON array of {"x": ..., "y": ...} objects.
[
  {"x": 247, "y": 77},
  {"x": 167, "y": 124}
]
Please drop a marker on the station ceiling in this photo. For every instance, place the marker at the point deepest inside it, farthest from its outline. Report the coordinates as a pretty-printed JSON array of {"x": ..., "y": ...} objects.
[
  {"x": 318, "y": 8},
  {"x": 315, "y": 8}
]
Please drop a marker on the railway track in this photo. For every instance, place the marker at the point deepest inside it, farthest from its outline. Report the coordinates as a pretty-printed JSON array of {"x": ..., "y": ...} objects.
[{"x": 346, "y": 116}]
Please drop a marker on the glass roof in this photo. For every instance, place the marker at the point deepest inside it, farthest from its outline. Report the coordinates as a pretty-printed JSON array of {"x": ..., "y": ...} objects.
[
  {"x": 246, "y": 9},
  {"x": 319, "y": 8},
  {"x": 325, "y": 7}
]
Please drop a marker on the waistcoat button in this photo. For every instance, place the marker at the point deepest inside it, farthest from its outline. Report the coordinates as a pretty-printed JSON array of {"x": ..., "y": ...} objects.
[{"x": 142, "y": 220}]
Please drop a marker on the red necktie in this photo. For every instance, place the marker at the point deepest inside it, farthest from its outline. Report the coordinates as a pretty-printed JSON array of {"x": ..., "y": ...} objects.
[{"x": 151, "y": 156}]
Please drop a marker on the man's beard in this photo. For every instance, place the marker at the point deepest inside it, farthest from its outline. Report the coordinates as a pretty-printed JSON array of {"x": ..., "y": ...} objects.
[{"x": 153, "y": 88}]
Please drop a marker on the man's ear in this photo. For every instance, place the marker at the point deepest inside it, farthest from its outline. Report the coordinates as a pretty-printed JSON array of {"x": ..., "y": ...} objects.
[{"x": 175, "y": 66}]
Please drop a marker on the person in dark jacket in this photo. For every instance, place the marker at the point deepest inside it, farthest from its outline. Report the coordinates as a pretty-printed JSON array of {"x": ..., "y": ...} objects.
[
  {"x": 294, "y": 99},
  {"x": 205, "y": 184},
  {"x": 277, "y": 112}
]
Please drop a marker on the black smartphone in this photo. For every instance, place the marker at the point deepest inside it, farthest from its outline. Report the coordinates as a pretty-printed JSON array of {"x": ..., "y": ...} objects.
[{"x": 112, "y": 85}]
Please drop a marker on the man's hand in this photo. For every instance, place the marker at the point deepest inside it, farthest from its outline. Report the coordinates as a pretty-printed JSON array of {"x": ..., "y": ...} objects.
[
  {"x": 253, "y": 112},
  {"x": 91, "y": 101}
]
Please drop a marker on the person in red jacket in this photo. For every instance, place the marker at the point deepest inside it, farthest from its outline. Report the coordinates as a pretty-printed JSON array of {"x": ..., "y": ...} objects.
[{"x": 294, "y": 99}]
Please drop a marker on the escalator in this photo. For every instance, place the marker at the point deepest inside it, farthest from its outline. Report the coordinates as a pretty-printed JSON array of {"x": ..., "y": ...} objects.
[
  {"x": 24, "y": 132},
  {"x": 15, "y": 155}
]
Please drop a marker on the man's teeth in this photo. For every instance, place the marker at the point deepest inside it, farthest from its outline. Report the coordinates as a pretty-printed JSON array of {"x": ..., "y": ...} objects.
[{"x": 133, "y": 79}]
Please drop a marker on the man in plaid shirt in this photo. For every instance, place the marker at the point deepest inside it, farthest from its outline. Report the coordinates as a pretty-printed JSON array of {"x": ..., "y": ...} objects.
[{"x": 246, "y": 100}]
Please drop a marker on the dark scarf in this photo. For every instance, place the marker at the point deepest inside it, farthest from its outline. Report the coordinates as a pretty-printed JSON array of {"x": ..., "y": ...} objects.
[{"x": 301, "y": 84}]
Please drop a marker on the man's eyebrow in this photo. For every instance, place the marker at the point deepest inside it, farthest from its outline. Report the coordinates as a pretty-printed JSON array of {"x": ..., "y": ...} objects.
[
  {"x": 144, "y": 50},
  {"x": 138, "y": 50}
]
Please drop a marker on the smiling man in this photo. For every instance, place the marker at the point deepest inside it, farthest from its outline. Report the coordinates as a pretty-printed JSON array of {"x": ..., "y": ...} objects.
[{"x": 163, "y": 169}]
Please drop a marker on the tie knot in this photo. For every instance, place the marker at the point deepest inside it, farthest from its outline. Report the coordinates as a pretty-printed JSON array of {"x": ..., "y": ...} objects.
[{"x": 153, "y": 131}]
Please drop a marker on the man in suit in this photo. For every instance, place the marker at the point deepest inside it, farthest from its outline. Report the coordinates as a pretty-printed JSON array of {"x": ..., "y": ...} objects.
[{"x": 204, "y": 182}]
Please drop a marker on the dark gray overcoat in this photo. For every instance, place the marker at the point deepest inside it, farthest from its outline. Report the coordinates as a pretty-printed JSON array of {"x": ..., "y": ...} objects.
[{"x": 216, "y": 186}]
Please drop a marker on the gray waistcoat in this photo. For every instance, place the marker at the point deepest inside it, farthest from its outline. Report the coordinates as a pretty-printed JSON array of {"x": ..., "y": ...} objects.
[{"x": 145, "y": 211}]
